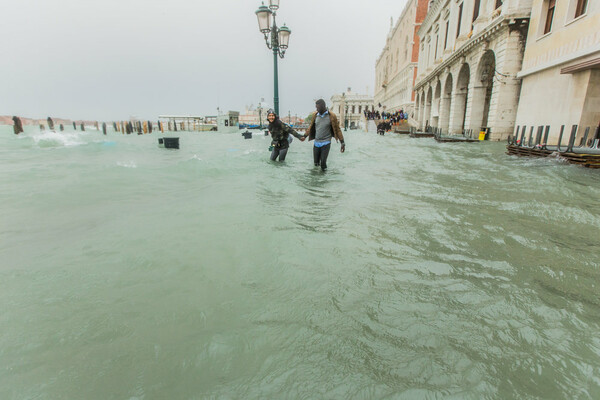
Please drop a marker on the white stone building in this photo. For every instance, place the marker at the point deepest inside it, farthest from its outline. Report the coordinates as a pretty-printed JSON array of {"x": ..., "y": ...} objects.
[
  {"x": 350, "y": 107},
  {"x": 561, "y": 67},
  {"x": 255, "y": 115},
  {"x": 471, "y": 52},
  {"x": 396, "y": 67}
]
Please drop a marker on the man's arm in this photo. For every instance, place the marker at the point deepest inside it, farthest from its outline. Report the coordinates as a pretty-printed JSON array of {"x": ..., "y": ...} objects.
[
  {"x": 312, "y": 123},
  {"x": 338, "y": 132}
]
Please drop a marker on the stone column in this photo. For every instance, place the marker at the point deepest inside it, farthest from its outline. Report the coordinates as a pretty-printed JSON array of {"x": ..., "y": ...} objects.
[{"x": 505, "y": 97}]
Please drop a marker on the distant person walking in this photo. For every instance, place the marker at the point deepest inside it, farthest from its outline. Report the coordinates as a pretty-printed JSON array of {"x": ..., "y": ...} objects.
[
  {"x": 323, "y": 127},
  {"x": 280, "y": 133}
]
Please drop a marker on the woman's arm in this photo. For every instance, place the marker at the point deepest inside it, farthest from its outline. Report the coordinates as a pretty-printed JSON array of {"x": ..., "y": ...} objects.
[{"x": 291, "y": 131}]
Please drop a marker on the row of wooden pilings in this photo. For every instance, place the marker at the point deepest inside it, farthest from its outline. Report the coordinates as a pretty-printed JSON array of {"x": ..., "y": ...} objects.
[
  {"x": 586, "y": 153},
  {"x": 124, "y": 127}
]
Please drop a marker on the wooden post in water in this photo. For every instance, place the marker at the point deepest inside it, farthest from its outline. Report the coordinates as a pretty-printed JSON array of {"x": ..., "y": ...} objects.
[
  {"x": 18, "y": 125},
  {"x": 82, "y": 127},
  {"x": 50, "y": 124},
  {"x": 74, "y": 125},
  {"x": 42, "y": 128},
  {"x": 104, "y": 128},
  {"x": 62, "y": 127}
]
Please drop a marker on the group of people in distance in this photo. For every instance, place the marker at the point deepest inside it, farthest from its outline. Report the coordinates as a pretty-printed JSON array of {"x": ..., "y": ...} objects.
[
  {"x": 394, "y": 117},
  {"x": 323, "y": 128}
]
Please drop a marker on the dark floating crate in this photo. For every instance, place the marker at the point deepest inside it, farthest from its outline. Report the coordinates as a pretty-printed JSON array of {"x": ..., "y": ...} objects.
[{"x": 169, "y": 142}]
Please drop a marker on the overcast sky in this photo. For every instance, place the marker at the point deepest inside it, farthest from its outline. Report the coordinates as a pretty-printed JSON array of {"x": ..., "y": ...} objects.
[{"x": 112, "y": 59}]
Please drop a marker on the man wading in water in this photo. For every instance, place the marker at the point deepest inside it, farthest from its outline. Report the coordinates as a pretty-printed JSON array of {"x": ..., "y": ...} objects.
[
  {"x": 323, "y": 127},
  {"x": 280, "y": 133}
]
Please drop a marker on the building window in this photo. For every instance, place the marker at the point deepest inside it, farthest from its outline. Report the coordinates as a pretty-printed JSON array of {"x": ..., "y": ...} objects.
[
  {"x": 359, "y": 109},
  {"x": 353, "y": 109},
  {"x": 460, "y": 8},
  {"x": 549, "y": 16},
  {"x": 581, "y": 8},
  {"x": 436, "y": 46},
  {"x": 446, "y": 36},
  {"x": 476, "y": 10}
]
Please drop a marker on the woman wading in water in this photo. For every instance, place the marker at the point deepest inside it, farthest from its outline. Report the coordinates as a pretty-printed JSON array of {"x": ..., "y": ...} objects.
[{"x": 280, "y": 133}]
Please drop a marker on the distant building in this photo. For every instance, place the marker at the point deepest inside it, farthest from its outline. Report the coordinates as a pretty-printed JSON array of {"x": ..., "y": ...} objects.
[
  {"x": 228, "y": 122},
  {"x": 396, "y": 67},
  {"x": 255, "y": 115},
  {"x": 292, "y": 120},
  {"x": 561, "y": 67},
  {"x": 350, "y": 107},
  {"x": 471, "y": 52},
  {"x": 185, "y": 122}
]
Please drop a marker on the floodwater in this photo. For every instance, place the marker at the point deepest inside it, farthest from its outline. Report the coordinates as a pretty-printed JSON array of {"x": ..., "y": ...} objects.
[{"x": 409, "y": 270}]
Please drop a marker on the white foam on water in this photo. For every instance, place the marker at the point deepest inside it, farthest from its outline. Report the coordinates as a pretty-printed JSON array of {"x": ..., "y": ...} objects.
[
  {"x": 127, "y": 164},
  {"x": 58, "y": 139}
]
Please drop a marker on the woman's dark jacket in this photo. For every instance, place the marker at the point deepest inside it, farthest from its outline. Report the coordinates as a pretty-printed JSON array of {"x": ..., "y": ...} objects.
[{"x": 280, "y": 133}]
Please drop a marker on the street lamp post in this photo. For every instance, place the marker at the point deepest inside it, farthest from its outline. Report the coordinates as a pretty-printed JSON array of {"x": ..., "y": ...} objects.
[
  {"x": 346, "y": 119},
  {"x": 259, "y": 115},
  {"x": 276, "y": 39}
]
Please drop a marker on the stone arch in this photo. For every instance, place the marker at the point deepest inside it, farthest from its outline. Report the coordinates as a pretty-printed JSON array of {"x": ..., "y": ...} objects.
[
  {"x": 460, "y": 100},
  {"x": 446, "y": 102},
  {"x": 435, "y": 105},
  {"x": 422, "y": 119},
  {"x": 419, "y": 113},
  {"x": 428, "y": 102},
  {"x": 483, "y": 86},
  {"x": 417, "y": 106}
]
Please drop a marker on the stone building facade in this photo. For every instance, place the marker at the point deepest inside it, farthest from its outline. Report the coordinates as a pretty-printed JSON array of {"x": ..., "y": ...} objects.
[
  {"x": 471, "y": 52},
  {"x": 396, "y": 67},
  {"x": 255, "y": 115},
  {"x": 561, "y": 67},
  {"x": 350, "y": 107}
]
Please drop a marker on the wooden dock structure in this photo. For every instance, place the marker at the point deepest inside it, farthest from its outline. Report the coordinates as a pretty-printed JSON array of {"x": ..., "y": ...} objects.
[{"x": 587, "y": 154}]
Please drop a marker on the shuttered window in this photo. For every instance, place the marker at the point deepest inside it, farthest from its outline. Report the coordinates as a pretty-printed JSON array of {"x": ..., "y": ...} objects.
[
  {"x": 549, "y": 16},
  {"x": 581, "y": 8},
  {"x": 460, "y": 8}
]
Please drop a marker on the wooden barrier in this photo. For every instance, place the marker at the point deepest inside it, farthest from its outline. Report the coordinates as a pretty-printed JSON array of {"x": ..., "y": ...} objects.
[{"x": 587, "y": 154}]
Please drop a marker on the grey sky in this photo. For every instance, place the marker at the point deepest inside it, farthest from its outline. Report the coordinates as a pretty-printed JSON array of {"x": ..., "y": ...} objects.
[{"x": 111, "y": 59}]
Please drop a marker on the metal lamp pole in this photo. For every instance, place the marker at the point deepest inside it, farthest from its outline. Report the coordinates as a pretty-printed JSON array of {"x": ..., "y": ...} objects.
[
  {"x": 346, "y": 119},
  {"x": 259, "y": 115},
  {"x": 276, "y": 39}
]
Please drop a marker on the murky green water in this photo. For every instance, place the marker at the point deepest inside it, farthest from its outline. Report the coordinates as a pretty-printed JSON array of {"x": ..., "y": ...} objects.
[{"x": 410, "y": 270}]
